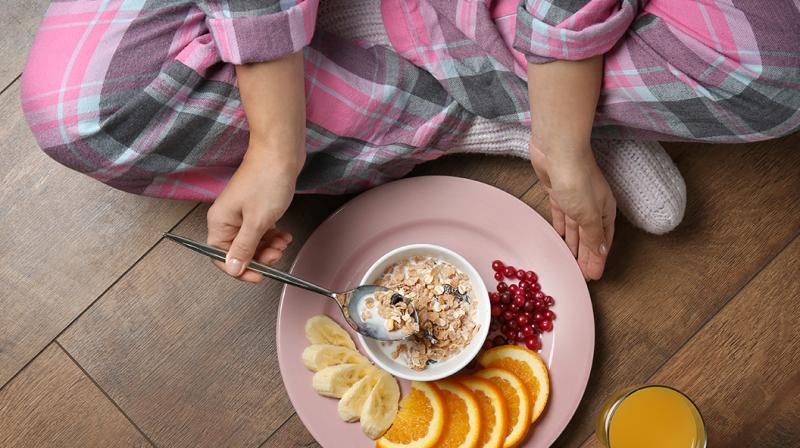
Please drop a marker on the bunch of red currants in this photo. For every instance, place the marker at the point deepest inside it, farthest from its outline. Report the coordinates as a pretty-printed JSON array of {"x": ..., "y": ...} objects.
[{"x": 520, "y": 309}]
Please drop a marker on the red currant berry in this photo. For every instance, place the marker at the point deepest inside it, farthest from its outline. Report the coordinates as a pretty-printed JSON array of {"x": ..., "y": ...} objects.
[
  {"x": 511, "y": 335},
  {"x": 508, "y": 315},
  {"x": 528, "y": 330},
  {"x": 505, "y": 328},
  {"x": 498, "y": 265},
  {"x": 549, "y": 315},
  {"x": 533, "y": 343},
  {"x": 499, "y": 340},
  {"x": 539, "y": 295},
  {"x": 549, "y": 301},
  {"x": 498, "y": 276},
  {"x": 512, "y": 288},
  {"x": 537, "y": 317},
  {"x": 494, "y": 297},
  {"x": 545, "y": 325},
  {"x": 520, "y": 274},
  {"x": 529, "y": 294},
  {"x": 520, "y": 336},
  {"x": 531, "y": 276},
  {"x": 523, "y": 285},
  {"x": 509, "y": 272},
  {"x": 502, "y": 287},
  {"x": 513, "y": 323},
  {"x": 539, "y": 304},
  {"x": 522, "y": 320},
  {"x": 519, "y": 301},
  {"x": 496, "y": 311},
  {"x": 506, "y": 297},
  {"x": 529, "y": 306}
]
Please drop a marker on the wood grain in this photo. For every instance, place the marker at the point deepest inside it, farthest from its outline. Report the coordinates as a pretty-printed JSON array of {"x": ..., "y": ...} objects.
[
  {"x": 53, "y": 404},
  {"x": 19, "y": 23},
  {"x": 65, "y": 239},
  {"x": 188, "y": 352},
  {"x": 291, "y": 434},
  {"x": 658, "y": 291},
  {"x": 743, "y": 368},
  {"x": 512, "y": 174},
  {"x": 205, "y": 341}
]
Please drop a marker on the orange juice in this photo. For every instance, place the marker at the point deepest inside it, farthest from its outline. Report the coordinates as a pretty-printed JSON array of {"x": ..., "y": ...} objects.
[{"x": 651, "y": 417}]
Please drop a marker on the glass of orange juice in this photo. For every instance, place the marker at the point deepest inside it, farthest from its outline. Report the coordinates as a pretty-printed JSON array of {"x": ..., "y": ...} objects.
[{"x": 651, "y": 416}]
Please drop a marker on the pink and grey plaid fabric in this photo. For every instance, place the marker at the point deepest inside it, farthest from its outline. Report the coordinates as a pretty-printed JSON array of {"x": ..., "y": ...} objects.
[{"x": 141, "y": 94}]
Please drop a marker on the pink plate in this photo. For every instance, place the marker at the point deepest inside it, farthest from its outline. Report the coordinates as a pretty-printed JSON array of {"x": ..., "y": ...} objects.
[{"x": 481, "y": 223}]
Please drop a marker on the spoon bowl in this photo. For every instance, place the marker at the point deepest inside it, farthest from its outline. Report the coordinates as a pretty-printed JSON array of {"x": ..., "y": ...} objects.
[{"x": 353, "y": 304}]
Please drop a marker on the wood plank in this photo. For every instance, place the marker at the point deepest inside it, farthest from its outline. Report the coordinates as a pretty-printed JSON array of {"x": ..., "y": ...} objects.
[
  {"x": 66, "y": 238},
  {"x": 19, "y": 24},
  {"x": 657, "y": 291},
  {"x": 53, "y": 404},
  {"x": 187, "y": 352},
  {"x": 291, "y": 434},
  {"x": 743, "y": 368},
  {"x": 205, "y": 341},
  {"x": 512, "y": 174}
]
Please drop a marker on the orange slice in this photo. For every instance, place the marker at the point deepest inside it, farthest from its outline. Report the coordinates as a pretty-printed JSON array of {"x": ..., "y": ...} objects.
[
  {"x": 494, "y": 415},
  {"x": 528, "y": 366},
  {"x": 463, "y": 416},
  {"x": 517, "y": 403},
  {"x": 420, "y": 420}
]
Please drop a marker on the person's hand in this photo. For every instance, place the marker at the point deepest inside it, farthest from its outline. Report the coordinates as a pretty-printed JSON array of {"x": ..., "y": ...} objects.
[
  {"x": 242, "y": 219},
  {"x": 582, "y": 205}
]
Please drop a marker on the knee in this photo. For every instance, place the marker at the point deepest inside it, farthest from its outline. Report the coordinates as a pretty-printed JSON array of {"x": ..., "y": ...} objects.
[{"x": 768, "y": 107}]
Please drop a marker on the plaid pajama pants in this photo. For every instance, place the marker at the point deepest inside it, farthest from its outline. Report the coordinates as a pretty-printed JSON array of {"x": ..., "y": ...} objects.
[{"x": 141, "y": 94}]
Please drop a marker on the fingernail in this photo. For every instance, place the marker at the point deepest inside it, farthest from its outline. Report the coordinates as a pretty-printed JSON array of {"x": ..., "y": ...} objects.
[
  {"x": 234, "y": 266},
  {"x": 603, "y": 249}
]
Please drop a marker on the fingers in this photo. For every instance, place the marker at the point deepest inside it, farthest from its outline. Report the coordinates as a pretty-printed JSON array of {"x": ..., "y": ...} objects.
[
  {"x": 592, "y": 263},
  {"x": 609, "y": 218},
  {"x": 268, "y": 256},
  {"x": 571, "y": 235},
  {"x": 557, "y": 216},
  {"x": 243, "y": 247},
  {"x": 269, "y": 251}
]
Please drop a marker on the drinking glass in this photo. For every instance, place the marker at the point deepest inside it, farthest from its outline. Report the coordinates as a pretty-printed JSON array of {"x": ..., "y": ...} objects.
[{"x": 650, "y": 416}]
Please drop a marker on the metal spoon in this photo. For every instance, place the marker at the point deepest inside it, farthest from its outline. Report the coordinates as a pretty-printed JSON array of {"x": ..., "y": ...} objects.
[{"x": 351, "y": 303}]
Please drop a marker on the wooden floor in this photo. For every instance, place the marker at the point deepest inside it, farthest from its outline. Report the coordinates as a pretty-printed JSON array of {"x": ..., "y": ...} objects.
[{"x": 111, "y": 337}]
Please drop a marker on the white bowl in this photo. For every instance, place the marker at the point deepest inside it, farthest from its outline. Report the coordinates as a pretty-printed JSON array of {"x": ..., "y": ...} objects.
[{"x": 480, "y": 298}]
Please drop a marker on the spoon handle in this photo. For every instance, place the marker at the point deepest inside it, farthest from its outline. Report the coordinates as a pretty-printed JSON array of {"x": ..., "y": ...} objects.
[
  {"x": 289, "y": 279},
  {"x": 267, "y": 271}
]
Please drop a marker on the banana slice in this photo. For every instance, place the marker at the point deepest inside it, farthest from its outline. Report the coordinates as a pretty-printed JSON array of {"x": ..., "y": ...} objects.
[
  {"x": 334, "y": 381},
  {"x": 380, "y": 409},
  {"x": 318, "y": 356},
  {"x": 353, "y": 400},
  {"x": 322, "y": 329}
]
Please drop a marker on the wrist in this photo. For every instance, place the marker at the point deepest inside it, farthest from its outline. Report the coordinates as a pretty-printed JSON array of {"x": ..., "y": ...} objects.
[
  {"x": 276, "y": 160},
  {"x": 563, "y": 150}
]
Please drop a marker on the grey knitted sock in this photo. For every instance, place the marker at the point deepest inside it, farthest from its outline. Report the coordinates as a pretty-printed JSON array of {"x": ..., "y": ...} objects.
[
  {"x": 649, "y": 189},
  {"x": 353, "y": 19}
]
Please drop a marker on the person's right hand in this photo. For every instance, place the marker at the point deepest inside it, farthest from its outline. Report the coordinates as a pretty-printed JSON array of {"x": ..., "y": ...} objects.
[
  {"x": 582, "y": 205},
  {"x": 242, "y": 219}
]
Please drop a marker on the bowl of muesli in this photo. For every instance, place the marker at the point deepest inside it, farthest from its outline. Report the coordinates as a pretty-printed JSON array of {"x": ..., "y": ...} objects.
[{"x": 452, "y": 305}]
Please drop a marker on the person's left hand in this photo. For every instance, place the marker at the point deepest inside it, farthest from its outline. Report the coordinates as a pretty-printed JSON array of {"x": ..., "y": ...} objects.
[{"x": 582, "y": 205}]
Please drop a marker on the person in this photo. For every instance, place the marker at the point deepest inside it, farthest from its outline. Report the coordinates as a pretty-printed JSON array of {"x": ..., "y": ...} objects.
[{"x": 245, "y": 102}]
